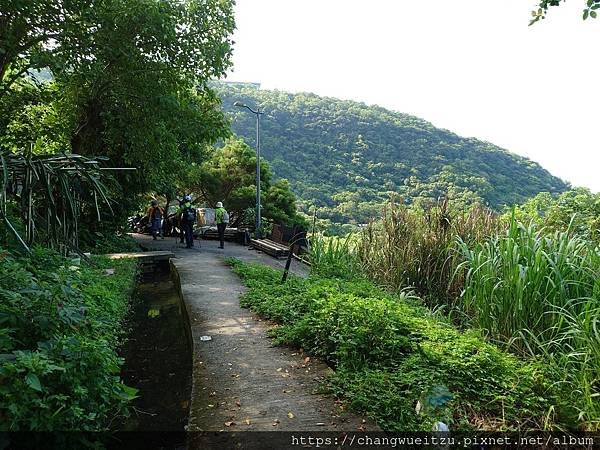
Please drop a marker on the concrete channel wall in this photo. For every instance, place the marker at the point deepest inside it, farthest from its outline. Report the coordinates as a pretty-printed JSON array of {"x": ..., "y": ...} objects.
[{"x": 185, "y": 313}]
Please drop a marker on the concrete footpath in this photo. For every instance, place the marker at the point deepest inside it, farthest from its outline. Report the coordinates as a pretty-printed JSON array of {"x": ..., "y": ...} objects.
[{"x": 240, "y": 381}]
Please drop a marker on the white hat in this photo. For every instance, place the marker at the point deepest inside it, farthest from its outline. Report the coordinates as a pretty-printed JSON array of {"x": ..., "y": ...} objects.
[{"x": 219, "y": 205}]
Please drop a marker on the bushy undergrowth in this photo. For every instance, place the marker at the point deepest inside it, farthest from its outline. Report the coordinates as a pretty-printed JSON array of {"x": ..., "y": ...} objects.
[
  {"x": 60, "y": 325},
  {"x": 389, "y": 352},
  {"x": 576, "y": 209},
  {"x": 530, "y": 289},
  {"x": 539, "y": 293}
]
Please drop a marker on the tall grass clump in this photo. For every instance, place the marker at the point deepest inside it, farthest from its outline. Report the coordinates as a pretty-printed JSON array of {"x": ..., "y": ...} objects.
[
  {"x": 538, "y": 293},
  {"x": 413, "y": 247},
  {"x": 333, "y": 256}
]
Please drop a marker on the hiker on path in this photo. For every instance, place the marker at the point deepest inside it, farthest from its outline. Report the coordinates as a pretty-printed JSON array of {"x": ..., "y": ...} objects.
[
  {"x": 187, "y": 219},
  {"x": 222, "y": 219},
  {"x": 155, "y": 216},
  {"x": 181, "y": 233}
]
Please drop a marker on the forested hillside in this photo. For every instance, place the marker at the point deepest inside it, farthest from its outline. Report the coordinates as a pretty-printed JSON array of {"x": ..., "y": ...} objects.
[{"x": 347, "y": 157}]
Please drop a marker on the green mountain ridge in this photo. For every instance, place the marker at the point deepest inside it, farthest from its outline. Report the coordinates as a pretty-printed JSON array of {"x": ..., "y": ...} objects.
[{"x": 347, "y": 157}]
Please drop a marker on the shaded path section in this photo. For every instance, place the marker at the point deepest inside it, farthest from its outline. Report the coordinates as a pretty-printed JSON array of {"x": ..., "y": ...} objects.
[{"x": 240, "y": 381}]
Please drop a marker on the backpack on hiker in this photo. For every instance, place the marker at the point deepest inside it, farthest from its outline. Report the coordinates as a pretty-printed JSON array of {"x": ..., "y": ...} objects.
[
  {"x": 225, "y": 218},
  {"x": 189, "y": 215}
]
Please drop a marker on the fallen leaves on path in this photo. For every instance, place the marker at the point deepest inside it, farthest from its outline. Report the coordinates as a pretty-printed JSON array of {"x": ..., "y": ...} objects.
[
  {"x": 291, "y": 415},
  {"x": 228, "y": 424}
]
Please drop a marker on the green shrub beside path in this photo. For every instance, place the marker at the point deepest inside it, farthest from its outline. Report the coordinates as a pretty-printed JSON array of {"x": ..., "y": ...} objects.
[
  {"x": 60, "y": 327},
  {"x": 390, "y": 352}
]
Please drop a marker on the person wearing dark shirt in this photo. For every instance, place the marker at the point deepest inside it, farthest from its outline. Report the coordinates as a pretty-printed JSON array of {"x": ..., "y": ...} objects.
[
  {"x": 187, "y": 219},
  {"x": 155, "y": 216}
]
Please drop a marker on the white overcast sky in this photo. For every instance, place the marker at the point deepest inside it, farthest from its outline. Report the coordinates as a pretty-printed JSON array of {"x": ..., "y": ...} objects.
[{"x": 474, "y": 67}]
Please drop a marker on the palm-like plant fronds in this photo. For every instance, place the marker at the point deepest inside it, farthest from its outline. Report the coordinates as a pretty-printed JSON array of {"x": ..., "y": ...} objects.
[{"x": 49, "y": 192}]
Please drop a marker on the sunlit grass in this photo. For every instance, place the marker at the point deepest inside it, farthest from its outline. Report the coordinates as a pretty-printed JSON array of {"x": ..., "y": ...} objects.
[
  {"x": 333, "y": 256},
  {"x": 530, "y": 290},
  {"x": 538, "y": 294}
]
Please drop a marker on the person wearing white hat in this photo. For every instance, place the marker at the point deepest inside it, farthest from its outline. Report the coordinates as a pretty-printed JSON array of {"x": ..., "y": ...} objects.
[{"x": 222, "y": 219}]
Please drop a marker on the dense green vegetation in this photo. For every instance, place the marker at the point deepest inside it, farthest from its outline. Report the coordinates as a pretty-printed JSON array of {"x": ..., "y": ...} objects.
[
  {"x": 42, "y": 197},
  {"x": 494, "y": 317},
  {"x": 61, "y": 324},
  {"x": 414, "y": 247},
  {"x": 347, "y": 157},
  {"x": 576, "y": 210},
  {"x": 120, "y": 79},
  {"x": 538, "y": 293},
  {"x": 229, "y": 176},
  {"x": 110, "y": 242},
  {"x": 123, "y": 83},
  {"x": 529, "y": 289},
  {"x": 390, "y": 352}
]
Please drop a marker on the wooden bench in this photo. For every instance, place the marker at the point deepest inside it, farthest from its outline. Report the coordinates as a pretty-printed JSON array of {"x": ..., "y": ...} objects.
[{"x": 270, "y": 247}]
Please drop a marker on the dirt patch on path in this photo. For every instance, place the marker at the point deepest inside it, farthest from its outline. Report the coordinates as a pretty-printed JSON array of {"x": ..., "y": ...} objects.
[{"x": 240, "y": 381}]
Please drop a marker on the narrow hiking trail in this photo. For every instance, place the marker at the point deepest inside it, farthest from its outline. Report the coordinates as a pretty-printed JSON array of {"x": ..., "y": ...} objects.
[{"x": 240, "y": 382}]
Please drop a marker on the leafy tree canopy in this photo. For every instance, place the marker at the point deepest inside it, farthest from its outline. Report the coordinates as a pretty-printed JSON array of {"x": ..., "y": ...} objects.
[
  {"x": 229, "y": 176},
  {"x": 577, "y": 210},
  {"x": 588, "y": 11},
  {"x": 125, "y": 79}
]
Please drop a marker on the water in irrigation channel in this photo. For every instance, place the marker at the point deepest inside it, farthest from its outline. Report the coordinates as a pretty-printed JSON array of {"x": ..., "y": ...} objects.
[{"x": 158, "y": 357}]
